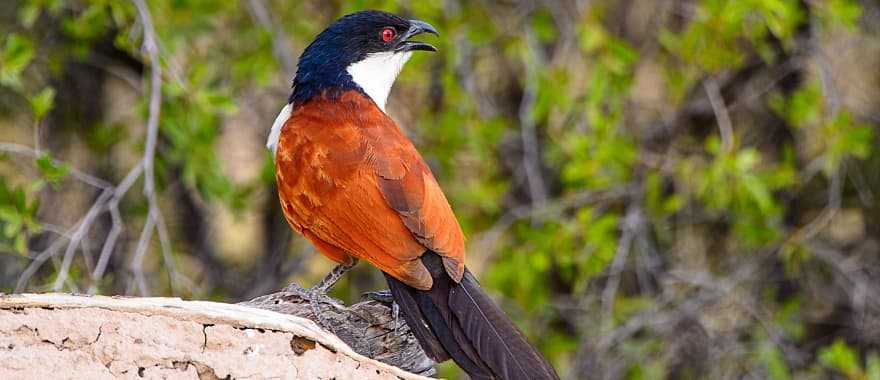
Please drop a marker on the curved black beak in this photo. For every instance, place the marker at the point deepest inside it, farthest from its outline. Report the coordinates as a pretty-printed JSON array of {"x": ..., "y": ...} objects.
[{"x": 417, "y": 27}]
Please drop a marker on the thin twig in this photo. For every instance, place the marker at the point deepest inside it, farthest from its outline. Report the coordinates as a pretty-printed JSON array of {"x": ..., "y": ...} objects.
[
  {"x": 84, "y": 177},
  {"x": 165, "y": 245},
  {"x": 629, "y": 226},
  {"x": 116, "y": 224},
  {"x": 531, "y": 154},
  {"x": 75, "y": 240},
  {"x": 655, "y": 316},
  {"x": 155, "y": 106},
  {"x": 863, "y": 188},
  {"x": 282, "y": 52},
  {"x": 139, "y": 253},
  {"x": 826, "y": 78},
  {"x": 155, "y": 214},
  {"x": 464, "y": 70},
  {"x": 38, "y": 262},
  {"x": 110, "y": 197},
  {"x": 848, "y": 268},
  {"x": 725, "y": 126}
]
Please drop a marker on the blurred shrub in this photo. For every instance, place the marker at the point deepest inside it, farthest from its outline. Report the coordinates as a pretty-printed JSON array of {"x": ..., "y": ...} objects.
[{"x": 653, "y": 189}]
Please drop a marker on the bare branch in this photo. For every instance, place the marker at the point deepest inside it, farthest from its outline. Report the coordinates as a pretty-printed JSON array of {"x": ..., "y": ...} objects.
[
  {"x": 137, "y": 262},
  {"x": 38, "y": 262},
  {"x": 849, "y": 269},
  {"x": 111, "y": 196},
  {"x": 829, "y": 88},
  {"x": 117, "y": 224},
  {"x": 75, "y": 240},
  {"x": 107, "y": 200},
  {"x": 629, "y": 226},
  {"x": 279, "y": 47},
  {"x": 75, "y": 173},
  {"x": 725, "y": 126},
  {"x": 155, "y": 107},
  {"x": 165, "y": 245},
  {"x": 531, "y": 154},
  {"x": 155, "y": 218}
]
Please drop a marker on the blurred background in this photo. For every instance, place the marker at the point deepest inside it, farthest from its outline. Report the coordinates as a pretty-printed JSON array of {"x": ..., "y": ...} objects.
[{"x": 651, "y": 189}]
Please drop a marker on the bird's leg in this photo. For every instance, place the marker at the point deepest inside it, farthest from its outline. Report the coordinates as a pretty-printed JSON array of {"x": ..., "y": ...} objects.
[
  {"x": 332, "y": 278},
  {"x": 324, "y": 286}
]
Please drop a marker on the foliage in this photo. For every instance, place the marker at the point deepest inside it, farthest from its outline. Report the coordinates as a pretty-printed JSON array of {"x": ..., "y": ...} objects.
[{"x": 659, "y": 245}]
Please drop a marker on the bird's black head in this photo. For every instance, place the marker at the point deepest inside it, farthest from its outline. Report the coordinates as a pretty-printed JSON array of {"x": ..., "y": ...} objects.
[{"x": 363, "y": 51}]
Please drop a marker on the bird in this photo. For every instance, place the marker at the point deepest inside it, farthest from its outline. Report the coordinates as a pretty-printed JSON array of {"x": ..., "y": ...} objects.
[{"x": 353, "y": 184}]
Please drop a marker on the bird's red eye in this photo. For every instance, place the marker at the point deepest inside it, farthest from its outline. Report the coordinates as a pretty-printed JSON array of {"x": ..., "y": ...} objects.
[{"x": 388, "y": 34}]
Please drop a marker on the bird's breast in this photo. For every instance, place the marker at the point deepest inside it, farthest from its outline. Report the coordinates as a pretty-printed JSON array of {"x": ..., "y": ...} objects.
[{"x": 322, "y": 148}]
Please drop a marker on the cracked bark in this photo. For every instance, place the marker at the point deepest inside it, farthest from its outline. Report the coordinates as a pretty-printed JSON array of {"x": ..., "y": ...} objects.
[
  {"x": 367, "y": 327},
  {"x": 56, "y": 335}
]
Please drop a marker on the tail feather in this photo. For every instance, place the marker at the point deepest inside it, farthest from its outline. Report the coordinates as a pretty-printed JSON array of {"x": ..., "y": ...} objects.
[
  {"x": 460, "y": 321},
  {"x": 412, "y": 314},
  {"x": 502, "y": 345},
  {"x": 434, "y": 327}
]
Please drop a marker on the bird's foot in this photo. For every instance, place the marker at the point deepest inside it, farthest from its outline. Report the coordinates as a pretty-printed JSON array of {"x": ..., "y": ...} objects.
[
  {"x": 315, "y": 297},
  {"x": 385, "y": 296},
  {"x": 318, "y": 293}
]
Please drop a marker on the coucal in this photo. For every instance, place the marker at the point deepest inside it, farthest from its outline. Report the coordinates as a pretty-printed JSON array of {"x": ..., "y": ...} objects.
[{"x": 355, "y": 186}]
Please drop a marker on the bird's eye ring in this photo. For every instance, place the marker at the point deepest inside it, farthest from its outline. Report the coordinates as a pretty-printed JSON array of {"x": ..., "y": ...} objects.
[{"x": 388, "y": 34}]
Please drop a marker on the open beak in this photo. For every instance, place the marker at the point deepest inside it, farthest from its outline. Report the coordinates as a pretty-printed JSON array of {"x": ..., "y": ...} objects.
[{"x": 417, "y": 27}]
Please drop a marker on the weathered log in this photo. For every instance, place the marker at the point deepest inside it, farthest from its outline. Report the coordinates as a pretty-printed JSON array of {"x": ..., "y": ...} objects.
[
  {"x": 96, "y": 337},
  {"x": 368, "y": 327}
]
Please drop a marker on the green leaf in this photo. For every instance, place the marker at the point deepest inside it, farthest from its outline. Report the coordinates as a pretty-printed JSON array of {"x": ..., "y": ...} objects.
[
  {"x": 29, "y": 13},
  {"x": 42, "y": 103},
  {"x": 16, "y": 55},
  {"x": 543, "y": 26},
  {"x": 841, "y": 357},
  {"x": 17, "y": 217},
  {"x": 51, "y": 171}
]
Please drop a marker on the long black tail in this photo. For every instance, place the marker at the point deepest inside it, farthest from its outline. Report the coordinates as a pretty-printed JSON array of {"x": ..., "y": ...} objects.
[{"x": 459, "y": 321}]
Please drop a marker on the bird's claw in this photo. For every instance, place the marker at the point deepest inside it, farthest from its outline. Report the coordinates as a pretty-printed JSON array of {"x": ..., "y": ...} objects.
[
  {"x": 385, "y": 296},
  {"x": 315, "y": 297},
  {"x": 318, "y": 293},
  {"x": 395, "y": 311}
]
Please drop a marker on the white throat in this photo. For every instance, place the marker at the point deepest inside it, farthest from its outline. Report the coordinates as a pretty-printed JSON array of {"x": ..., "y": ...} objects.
[{"x": 376, "y": 74}]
